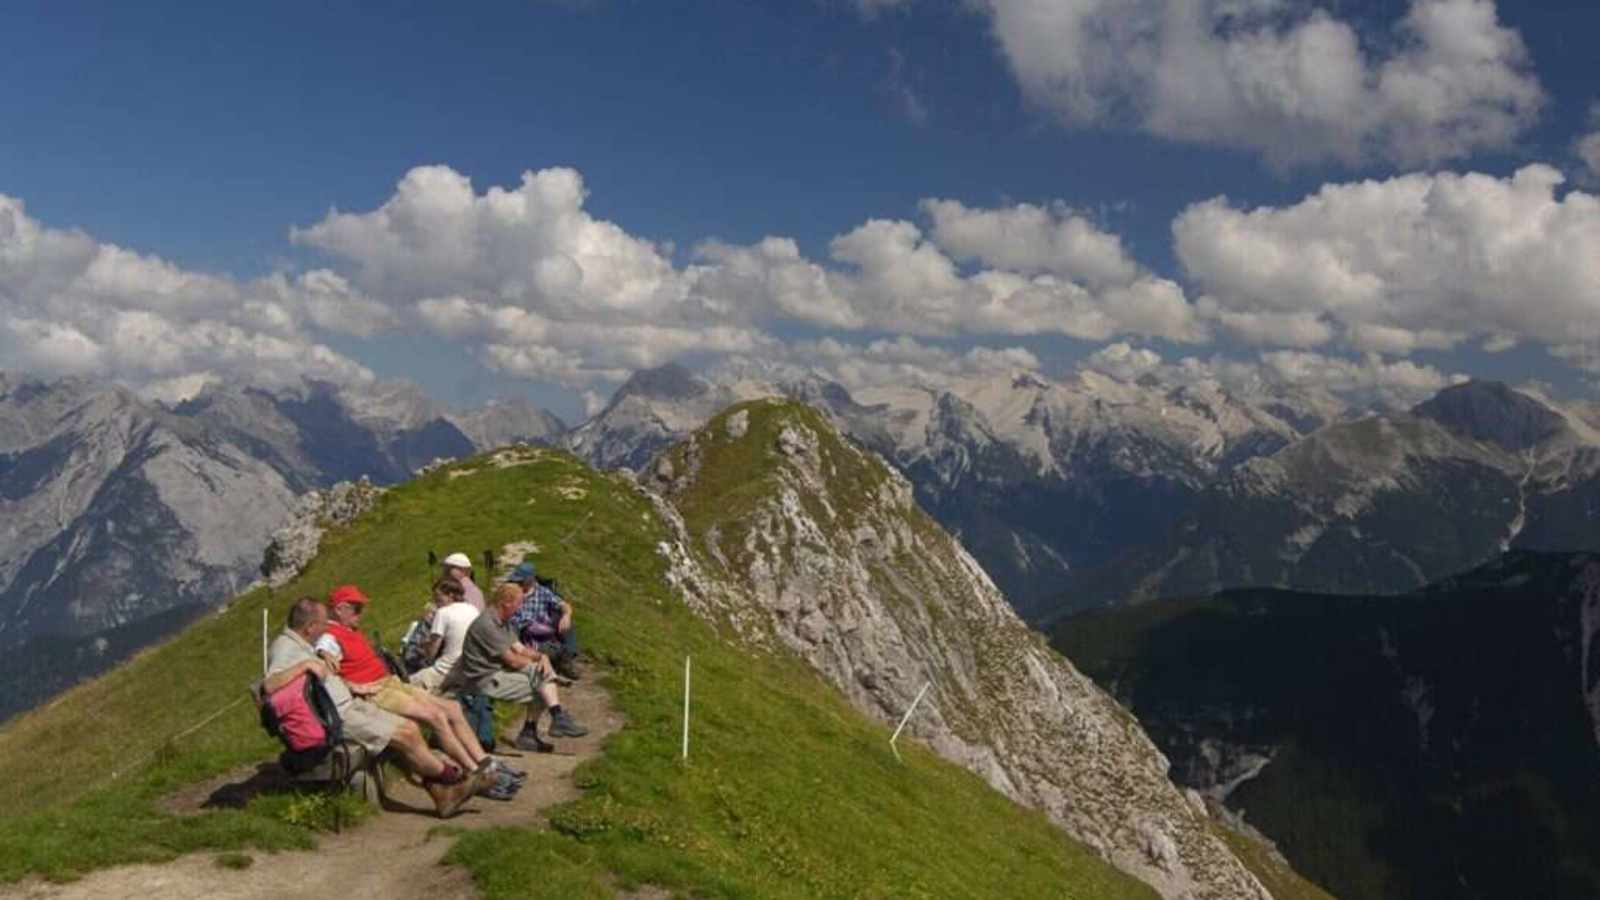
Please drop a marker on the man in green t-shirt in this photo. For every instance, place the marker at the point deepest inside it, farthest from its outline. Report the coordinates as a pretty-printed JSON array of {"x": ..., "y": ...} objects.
[{"x": 495, "y": 664}]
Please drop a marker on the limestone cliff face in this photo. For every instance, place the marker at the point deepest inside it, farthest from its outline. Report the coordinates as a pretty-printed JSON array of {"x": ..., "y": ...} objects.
[
  {"x": 791, "y": 535},
  {"x": 115, "y": 511}
]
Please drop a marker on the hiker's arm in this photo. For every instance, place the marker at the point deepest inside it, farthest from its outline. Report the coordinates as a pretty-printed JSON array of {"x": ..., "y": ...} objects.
[
  {"x": 517, "y": 660},
  {"x": 565, "y": 625},
  {"x": 516, "y": 656},
  {"x": 283, "y": 676}
]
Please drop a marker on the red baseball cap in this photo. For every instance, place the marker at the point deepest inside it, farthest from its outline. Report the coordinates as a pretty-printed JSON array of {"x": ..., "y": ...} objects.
[{"x": 347, "y": 593}]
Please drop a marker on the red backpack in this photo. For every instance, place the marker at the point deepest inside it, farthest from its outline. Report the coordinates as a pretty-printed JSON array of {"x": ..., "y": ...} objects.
[{"x": 303, "y": 716}]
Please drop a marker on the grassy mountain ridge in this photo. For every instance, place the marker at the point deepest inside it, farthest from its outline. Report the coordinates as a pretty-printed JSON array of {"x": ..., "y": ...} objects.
[{"x": 789, "y": 791}]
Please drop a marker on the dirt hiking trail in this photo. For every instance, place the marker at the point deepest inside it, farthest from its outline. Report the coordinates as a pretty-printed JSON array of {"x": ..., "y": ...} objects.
[{"x": 390, "y": 854}]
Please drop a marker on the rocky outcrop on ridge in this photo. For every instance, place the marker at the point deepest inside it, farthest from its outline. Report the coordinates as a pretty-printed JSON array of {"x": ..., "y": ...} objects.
[
  {"x": 295, "y": 544},
  {"x": 791, "y": 536}
]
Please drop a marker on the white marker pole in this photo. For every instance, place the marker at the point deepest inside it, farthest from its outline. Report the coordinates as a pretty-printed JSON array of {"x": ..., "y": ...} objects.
[
  {"x": 686, "y": 709},
  {"x": 906, "y": 718},
  {"x": 263, "y": 642}
]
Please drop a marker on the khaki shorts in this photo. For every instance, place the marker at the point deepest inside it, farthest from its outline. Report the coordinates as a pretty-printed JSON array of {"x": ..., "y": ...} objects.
[
  {"x": 428, "y": 679},
  {"x": 368, "y": 725},
  {"x": 395, "y": 695},
  {"x": 521, "y": 686}
]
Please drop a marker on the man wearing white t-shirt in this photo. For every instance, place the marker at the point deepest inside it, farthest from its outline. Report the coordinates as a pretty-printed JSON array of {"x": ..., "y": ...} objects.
[{"x": 448, "y": 631}]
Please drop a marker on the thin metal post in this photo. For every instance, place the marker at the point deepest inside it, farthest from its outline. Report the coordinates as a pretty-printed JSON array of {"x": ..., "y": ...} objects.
[
  {"x": 686, "y": 709},
  {"x": 906, "y": 718}
]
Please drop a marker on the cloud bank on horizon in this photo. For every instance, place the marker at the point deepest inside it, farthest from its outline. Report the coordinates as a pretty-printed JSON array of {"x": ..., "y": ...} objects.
[
  {"x": 1336, "y": 290},
  {"x": 1368, "y": 272}
]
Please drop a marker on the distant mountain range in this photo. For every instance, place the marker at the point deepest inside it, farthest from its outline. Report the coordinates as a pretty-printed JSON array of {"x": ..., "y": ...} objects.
[
  {"x": 1090, "y": 491},
  {"x": 1038, "y": 477},
  {"x": 1073, "y": 493},
  {"x": 1443, "y": 743},
  {"x": 1378, "y": 505}
]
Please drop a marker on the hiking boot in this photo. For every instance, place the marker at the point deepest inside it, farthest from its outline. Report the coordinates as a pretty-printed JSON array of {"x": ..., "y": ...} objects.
[
  {"x": 511, "y": 769},
  {"x": 567, "y": 668},
  {"x": 502, "y": 787},
  {"x": 565, "y": 725},
  {"x": 447, "y": 798},
  {"x": 529, "y": 740},
  {"x": 504, "y": 768}
]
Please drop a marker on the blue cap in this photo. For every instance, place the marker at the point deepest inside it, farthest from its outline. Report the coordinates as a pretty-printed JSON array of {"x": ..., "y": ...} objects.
[{"x": 523, "y": 572}]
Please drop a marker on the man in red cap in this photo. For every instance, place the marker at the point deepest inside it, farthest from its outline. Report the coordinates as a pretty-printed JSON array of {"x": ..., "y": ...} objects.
[{"x": 365, "y": 672}]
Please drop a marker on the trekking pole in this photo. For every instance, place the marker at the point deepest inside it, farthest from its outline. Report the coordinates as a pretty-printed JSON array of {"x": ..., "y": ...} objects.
[{"x": 263, "y": 642}]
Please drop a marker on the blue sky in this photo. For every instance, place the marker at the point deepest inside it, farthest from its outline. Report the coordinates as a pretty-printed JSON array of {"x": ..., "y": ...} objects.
[{"x": 201, "y": 134}]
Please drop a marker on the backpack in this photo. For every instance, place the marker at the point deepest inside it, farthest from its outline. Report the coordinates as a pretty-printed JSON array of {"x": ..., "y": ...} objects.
[
  {"x": 411, "y": 647},
  {"x": 303, "y": 716},
  {"x": 479, "y": 712}
]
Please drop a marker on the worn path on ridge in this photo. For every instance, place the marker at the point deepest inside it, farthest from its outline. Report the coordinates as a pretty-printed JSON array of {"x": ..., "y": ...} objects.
[{"x": 388, "y": 855}]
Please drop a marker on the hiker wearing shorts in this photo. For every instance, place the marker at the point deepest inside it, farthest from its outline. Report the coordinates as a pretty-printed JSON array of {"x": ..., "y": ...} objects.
[
  {"x": 292, "y": 655},
  {"x": 495, "y": 664},
  {"x": 365, "y": 672}
]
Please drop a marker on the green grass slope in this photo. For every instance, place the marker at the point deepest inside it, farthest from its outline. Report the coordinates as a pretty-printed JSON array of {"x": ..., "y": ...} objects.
[{"x": 788, "y": 792}]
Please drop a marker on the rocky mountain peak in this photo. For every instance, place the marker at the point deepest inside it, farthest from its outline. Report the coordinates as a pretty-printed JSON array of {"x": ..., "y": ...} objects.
[
  {"x": 1028, "y": 381},
  {"x": 790, "y": 534},
  {"x": 669, "y": 382},
  {"x": 1494, "y": 412}
]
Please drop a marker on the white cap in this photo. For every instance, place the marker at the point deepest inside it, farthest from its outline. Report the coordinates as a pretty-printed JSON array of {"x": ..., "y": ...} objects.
[{"x": 459, "y": 560}]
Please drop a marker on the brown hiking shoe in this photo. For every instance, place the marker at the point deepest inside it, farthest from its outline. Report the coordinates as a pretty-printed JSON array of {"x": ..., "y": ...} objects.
[{"x": 447, "y": 798}]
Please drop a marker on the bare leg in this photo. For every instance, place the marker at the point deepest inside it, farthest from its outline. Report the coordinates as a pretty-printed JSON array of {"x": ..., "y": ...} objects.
[
  {"x": 407, "y": 741},
  {"x": 462, "y": 729},
  {"x": 427, "y": 713}
]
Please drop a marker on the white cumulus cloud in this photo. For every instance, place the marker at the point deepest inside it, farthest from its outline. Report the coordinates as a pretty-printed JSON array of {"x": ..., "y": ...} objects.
[
  {"x": 71, "y": 305},
  {"x": 1290, "y": 80},
  {"x": 1412, "y": 262},
  {"x": 1123, "y": 360},
  {"x": 533, "y": 246},
  {"x": 557, "y": 293},
  {"x": 891, "y": 362}
]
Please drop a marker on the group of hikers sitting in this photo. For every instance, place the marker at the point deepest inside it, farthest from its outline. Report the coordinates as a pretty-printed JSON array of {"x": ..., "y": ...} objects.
[{"x": 515, "y": 647}]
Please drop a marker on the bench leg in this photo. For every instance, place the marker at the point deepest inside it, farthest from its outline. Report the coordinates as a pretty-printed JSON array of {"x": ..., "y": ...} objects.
[{"x": 368, "y": 782}]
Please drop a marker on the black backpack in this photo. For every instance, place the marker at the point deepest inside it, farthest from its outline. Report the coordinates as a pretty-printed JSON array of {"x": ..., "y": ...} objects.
[
  {"x": 298, "y": 762},
  {"x": 411, "y": 647}
]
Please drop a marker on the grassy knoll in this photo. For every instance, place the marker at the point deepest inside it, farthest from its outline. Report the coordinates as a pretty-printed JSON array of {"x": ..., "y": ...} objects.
[{"x": 788, "y": 792}]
